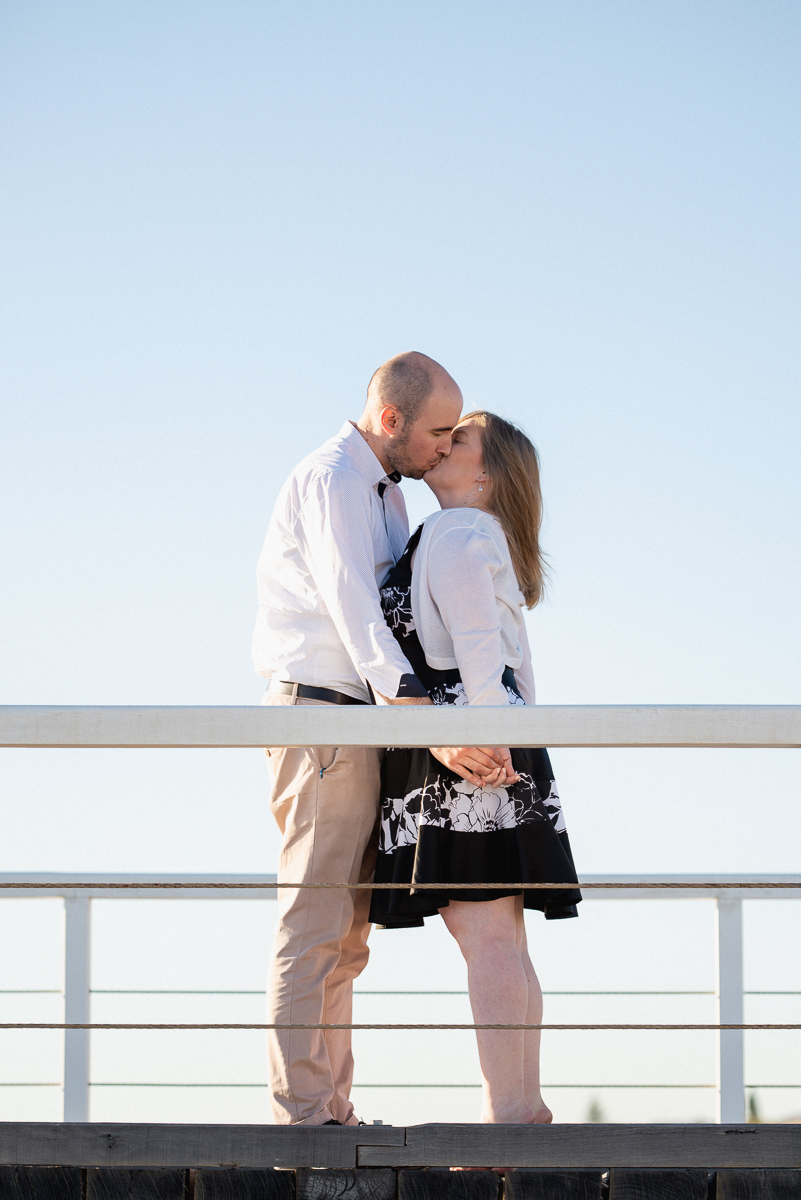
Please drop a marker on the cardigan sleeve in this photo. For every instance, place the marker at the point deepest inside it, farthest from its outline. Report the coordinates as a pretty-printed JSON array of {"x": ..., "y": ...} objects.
[{"x": 462, "y": 563}]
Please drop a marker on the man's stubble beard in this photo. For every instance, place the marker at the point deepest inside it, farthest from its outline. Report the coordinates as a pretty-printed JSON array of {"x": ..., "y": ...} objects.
[{"x": 401, "y": 462}]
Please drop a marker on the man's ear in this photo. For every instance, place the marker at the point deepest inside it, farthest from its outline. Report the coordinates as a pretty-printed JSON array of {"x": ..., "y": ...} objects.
[{"x": 390, "y": 420}]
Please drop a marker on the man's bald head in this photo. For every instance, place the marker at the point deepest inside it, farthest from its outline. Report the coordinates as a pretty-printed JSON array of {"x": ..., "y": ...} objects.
[
  {"x": 406, "y": 382},
  {"x": 412, "y": 406}
]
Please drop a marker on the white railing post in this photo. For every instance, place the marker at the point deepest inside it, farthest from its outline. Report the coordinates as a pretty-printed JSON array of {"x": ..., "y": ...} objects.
[
  {"x": 731, "y": 1059},
  {"x": 76, "y": 1007}
]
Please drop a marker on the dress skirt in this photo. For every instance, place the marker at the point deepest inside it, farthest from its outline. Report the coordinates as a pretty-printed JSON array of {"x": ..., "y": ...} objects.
[{"x": 437, "y": 828}]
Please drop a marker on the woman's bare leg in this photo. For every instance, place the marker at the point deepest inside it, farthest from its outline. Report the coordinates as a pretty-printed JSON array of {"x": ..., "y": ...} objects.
[
  {"x": 531, "y": 1043},
  {"x": 487, "y": 933}
]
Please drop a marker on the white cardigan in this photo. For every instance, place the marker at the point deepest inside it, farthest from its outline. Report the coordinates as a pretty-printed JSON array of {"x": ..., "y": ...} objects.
[{"x": 467, "y": 604}]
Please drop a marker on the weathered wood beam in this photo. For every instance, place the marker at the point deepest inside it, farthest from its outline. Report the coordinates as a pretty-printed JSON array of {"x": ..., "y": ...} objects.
[
  {"x": 407, "y": 725},
  {"x": 545, "y": 1147},
  {"x": 122, "y": 1145},
  {"x": 591, "y": 1146}
]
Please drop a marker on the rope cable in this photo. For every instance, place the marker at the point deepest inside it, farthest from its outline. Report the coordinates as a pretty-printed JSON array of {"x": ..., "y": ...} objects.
[
  {"x": 439, "y": 1027},
  {"x": 417, "y": 887}
]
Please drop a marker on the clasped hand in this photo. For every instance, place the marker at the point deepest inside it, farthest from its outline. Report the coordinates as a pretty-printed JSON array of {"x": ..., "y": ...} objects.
[{"x": 485, "y": 766}]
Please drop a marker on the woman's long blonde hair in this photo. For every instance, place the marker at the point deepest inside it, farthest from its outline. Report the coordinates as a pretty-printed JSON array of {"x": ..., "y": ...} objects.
[{"x": 513, "y": 468}]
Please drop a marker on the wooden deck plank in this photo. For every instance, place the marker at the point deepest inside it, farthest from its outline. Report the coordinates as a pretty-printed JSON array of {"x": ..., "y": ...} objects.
[
  {"x": 758, "y": 1185},
  {"x": 592, "y": 1146},
  {"x": 448, "y": 1185},
  {"x": 627, "y": 1184},
  {"x": 553, "y": 1185},
  {"x": 244, "y": 1185},
  {"x": 115, "y": 1183},
  {"x": 40, "y": 1183},
  {"x": 123, "y": 1145},
  {"x": 363, "y": 1183}
]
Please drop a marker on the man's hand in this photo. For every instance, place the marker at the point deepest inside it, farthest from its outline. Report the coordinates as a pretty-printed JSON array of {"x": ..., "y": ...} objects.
[
  {"x": 407, "y": 700},
  {"x": 486, "y": 766}
]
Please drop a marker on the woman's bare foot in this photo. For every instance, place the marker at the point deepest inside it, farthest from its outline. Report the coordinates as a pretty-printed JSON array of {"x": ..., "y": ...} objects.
[{"x": 542, "y": 1116}]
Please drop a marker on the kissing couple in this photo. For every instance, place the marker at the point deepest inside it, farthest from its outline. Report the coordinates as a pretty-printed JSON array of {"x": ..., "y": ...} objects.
[{"x": 354, "y": 611}]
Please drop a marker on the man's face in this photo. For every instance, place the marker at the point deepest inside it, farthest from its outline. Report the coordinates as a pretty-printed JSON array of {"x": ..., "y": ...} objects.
[{"x": 417, "y": 448}]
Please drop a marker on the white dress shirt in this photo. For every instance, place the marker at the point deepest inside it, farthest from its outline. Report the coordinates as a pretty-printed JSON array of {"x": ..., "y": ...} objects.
[
  {"x": 338, "y": 526},
  {"x": 467, "y": 604}
]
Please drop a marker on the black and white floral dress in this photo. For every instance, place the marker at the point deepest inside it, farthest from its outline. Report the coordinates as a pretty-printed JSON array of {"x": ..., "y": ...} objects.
[{"x": 438, "y": 828}]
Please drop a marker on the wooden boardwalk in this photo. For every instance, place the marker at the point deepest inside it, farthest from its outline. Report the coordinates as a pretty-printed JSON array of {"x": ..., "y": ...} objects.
[{"x": 96, "y": 1161}]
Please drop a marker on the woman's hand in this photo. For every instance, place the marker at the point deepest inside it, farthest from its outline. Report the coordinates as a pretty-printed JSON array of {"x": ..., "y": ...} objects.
[{"x": 485, "y": 766}]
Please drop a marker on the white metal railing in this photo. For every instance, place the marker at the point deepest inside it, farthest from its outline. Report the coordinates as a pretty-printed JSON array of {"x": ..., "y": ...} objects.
[
  {"x": 77, "y": 966},
  {"x": 609, "y": 726}
]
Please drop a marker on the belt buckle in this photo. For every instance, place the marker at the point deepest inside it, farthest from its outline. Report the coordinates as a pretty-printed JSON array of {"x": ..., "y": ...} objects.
[{"x": 283, "y": 684}]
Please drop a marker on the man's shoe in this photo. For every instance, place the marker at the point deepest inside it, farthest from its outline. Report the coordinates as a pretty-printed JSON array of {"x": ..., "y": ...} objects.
[{"x": 332, "y": 1122}]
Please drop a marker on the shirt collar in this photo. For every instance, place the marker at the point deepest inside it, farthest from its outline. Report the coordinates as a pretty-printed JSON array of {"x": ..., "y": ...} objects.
[{"x": 364, "y": 458}]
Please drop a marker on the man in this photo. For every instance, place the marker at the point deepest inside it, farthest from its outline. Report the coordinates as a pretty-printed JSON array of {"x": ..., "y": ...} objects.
[{"x": 338, "y": 526}]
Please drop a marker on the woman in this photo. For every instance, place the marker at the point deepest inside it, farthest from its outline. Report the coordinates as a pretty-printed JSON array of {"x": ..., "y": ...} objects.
[{"x": 455, "y": 603}]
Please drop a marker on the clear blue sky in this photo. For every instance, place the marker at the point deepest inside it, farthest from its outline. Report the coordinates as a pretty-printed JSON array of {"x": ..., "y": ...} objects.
[{"x": 217, "y": 220}]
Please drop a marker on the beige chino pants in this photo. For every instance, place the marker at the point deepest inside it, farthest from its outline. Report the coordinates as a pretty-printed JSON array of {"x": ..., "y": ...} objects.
[{"x": 325, "y": 801}]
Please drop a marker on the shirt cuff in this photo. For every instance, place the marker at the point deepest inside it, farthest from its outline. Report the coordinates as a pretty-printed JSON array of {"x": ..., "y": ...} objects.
[{"x": 410, "y": 685}]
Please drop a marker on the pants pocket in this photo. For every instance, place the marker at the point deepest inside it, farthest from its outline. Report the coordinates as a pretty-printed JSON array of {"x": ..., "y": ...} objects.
[{"x": 326, "y": 758}]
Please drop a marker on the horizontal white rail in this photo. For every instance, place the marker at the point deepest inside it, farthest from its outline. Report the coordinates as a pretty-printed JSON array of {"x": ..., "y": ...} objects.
[{"x": 725, "y": 726}]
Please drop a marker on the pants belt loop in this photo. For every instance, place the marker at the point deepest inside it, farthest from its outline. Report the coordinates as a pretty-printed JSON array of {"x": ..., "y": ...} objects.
[{"x": 294, "y": 693}]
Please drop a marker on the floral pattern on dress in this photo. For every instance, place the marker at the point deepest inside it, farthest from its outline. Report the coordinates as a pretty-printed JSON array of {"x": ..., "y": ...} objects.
[
  {"x": 461, "y": 807},
  {"x": 397, "y": 605},
  {"x": 454, "y": 693}
]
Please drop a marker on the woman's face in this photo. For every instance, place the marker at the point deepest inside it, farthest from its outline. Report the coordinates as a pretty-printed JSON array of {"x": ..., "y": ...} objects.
[{"x": 455, "y": 479}]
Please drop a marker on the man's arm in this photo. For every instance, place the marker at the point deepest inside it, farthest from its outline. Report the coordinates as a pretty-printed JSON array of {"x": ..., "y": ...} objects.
[{"x": 334, "y": 522}]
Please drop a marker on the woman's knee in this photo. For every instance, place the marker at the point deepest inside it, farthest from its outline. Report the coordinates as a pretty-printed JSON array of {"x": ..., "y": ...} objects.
[{"x": 481, "y": 933}]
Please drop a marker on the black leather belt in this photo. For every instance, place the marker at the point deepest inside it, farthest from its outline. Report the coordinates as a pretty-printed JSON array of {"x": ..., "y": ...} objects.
[{"x": 305, "y": 692}]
